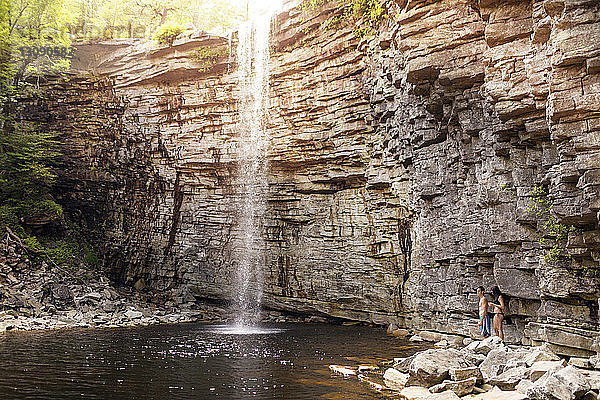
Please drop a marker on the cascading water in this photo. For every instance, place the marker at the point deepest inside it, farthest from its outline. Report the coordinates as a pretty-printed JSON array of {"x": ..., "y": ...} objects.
[{"x": 253, "y": 72}]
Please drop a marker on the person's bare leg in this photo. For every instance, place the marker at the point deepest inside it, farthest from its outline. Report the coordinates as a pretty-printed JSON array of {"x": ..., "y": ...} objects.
[
  {"x": 495, "y": 324},
  {"x": 500, "y": 330}
]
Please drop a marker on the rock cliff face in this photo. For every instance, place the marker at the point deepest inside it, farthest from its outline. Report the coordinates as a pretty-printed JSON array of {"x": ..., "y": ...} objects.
[
  {"x": 404, "y": 171},
  {"x": 477, "y": 104}
]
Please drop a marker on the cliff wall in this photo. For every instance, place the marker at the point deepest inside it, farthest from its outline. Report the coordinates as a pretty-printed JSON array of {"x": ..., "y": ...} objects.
[{"x": 405, "y": 170}]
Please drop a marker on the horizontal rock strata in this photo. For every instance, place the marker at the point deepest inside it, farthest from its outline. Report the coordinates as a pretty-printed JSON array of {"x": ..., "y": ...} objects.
[{"x": 402, "y": 168}]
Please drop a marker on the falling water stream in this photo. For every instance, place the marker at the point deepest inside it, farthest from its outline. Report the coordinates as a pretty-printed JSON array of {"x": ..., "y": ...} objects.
[{"x": 253, "y": 75}]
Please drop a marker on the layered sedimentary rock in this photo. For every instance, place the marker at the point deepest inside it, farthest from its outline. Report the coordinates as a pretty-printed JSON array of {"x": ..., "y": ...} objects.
[
  {"x": 477, "y": 104},
  {"x": 402, "y": 169}
]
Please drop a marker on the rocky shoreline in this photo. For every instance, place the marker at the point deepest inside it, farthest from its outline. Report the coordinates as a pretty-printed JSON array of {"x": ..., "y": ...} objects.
[
  {"x": 39, "y": 295},
  {"x": 482, "y": 370}
]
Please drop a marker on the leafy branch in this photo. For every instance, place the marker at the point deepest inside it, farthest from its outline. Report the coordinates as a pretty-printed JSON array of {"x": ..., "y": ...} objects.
[
  {"x": 366, "y": 15},
  {"x": 553, "y": 231}
]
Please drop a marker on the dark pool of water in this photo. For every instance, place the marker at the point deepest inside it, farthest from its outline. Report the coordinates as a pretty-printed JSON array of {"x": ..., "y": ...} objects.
[{"x": 191, "y": 361}]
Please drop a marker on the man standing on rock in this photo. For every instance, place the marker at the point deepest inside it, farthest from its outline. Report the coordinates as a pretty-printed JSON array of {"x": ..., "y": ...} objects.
[{"x": 485, "y": 322}]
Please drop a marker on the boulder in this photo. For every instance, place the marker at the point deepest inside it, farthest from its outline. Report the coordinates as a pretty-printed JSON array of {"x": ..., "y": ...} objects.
[
  {"x": 461, "y": 388},
  {"x": 539, "y": 368},
  {"x": 497, "y": 394},
  {"x": 486, "y": 345},
  {"x": 539, "y": 354},
  {"x": 447, "y": 395},
  {"x": 471, "y": 346},
  {"x": 559, "y": 384},
  {"x": 509, "y": 379},
  {"x": 403, "y": 364},
  {"x": 395, "y": 379},
  {"x": 414, "y": 392},
  {"x": 500, "y": 359},
  {"x": 459, "y": 374},
  {"x": 593, "y": 378},
  {"x": 473, "y": 358},
  {"x": 523, "y": 386},
  {"x": 581, "y": 362},
  {"x": 416, "y": 339},
  {"x": 432, "y": 366},
  {"x": 400, "y": 332}
]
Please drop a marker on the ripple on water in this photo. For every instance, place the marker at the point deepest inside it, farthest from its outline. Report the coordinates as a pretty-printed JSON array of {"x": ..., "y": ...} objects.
[{"x": 244, "y": 330}]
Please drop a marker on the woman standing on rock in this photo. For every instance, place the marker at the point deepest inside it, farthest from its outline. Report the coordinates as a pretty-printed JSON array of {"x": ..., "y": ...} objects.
[{"x": 498, "y": 311}]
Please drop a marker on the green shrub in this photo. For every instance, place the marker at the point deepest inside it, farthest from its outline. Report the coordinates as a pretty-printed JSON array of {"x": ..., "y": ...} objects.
[
  {"x": 168, "y": 32},
  {"x": 553, "y": 232},
  {"x": 366, "y": 15},
  {"x": 90, "y": 259},
  {"x": 207, "y": 57}
]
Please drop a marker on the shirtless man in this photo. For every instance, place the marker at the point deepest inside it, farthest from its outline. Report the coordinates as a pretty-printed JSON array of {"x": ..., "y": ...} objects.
[{"x": 485, "y": 322}]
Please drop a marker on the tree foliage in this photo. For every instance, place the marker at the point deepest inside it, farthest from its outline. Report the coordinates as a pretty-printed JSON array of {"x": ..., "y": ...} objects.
[
  {"x": 366, "y": 15},
  {"x": 142, "y": 18},
  {"x": 167, "y": 33},
  {"x": 27, "y": 152}
]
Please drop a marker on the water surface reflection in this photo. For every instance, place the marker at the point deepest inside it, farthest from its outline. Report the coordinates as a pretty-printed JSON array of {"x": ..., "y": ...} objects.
[{"x": 191, "y": 361}]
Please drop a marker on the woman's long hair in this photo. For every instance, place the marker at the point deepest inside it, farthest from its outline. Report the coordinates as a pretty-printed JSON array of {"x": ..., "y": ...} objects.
[{"x": 496, "y": 293}]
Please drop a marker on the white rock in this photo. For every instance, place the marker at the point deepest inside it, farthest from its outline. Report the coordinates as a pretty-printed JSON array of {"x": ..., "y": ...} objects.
[
  {"x": 414, "y": 392},
  {"x": 539, "y": 354},
  {"x": 342, "y": 370},
  {"x": 366, "y": 368},
  {"x": 461, "y": 388},
  {"x": 459, "y": 374},
  {"x": 447, "y": 395},
  {"x": 132, "y": 314},
  {"x": 539, "y": 368},
  {"x": 403, "y": 364},
  {"x": 489, "y": 344},
  {"x": 432, "y": 366},
  {"x": 497, "y": 361},
  {"x": 509, "y": 379},
  {"x": 497, "y": 394},
  {"x": 559, "y": 384},
  {"x": 395, "y": 379},
  {"x": 523, "y": 386},
  {"x": 580, "y": 362}
]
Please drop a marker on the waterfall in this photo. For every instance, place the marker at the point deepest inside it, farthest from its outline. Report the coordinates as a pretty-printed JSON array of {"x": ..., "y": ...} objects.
[{"x": 253, "y": 73}]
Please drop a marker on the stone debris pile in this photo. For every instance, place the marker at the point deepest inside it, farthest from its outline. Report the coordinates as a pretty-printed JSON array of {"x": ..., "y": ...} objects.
[
  {"x": 485, "y": 370},
  {"x": 42, "y": 296}
]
